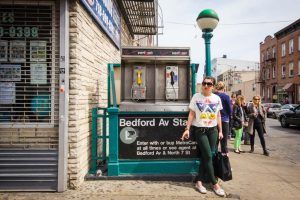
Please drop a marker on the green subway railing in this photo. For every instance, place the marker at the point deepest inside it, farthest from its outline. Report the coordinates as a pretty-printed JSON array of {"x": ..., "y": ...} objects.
[{"x": 95, "y": 137}]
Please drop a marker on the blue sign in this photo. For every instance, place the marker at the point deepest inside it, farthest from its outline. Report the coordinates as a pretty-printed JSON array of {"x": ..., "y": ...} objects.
[{"x": 107, "y": 15}]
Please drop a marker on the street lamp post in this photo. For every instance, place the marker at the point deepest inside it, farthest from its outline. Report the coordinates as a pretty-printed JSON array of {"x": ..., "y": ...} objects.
[{"x": 207, "y": 21}]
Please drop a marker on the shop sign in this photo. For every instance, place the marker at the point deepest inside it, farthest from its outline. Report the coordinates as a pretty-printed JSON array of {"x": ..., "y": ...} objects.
[
  {"x": 154, "y": 137},
  {"x": 106, "y": 14}
]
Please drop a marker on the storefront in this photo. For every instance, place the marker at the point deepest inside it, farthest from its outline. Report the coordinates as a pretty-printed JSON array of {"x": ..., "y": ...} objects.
[{"x": 53, "y": 70}]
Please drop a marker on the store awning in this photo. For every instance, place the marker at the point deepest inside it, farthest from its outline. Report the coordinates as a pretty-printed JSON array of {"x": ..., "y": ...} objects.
[
  {"x": 288, "y": 87},
  {"x": 140, "y": 16}
]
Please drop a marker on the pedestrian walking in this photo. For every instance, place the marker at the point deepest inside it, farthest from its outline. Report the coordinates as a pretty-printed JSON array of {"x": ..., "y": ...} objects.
[
  {"x": 205, "y": 118},
  {"x": 238, "y": 122},
  {"x": 225, "y": 114},
  {"x": 231, "y": 131},
  {"x": 256, "y": 122}
]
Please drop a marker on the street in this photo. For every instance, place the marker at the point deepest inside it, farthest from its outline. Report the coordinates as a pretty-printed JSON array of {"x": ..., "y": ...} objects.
[
  {"x": 282, "y": 142},
  {"x": 255, "y": 176}
]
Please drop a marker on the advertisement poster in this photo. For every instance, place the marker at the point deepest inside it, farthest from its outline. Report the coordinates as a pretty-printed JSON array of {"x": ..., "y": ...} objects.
[
  {"x": 17, "y": 51},
  {"x": 7, "y": 93},
  {"x": 38, "y": 73},
  {"x": 38, "y": 50},
  {"x": 3, "y": 50},
  {"x": 10, "y": 72}
]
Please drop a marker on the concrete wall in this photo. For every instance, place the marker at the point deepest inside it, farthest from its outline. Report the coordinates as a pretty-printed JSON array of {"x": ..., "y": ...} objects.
[{"x": 90, "y": 52}]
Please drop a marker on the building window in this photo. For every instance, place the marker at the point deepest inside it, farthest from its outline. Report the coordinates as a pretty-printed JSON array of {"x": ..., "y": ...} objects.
[
  {"x": 298, "y": 67},
  {"x": 268, "y": 73},
  {"x": 283, "y": 49},
  {"x": 268, "y": 92},
  {"x": 298, "y": 93},
  {"x": 291, "y": 69},
  {"x": 268, "y": 54},
  {"x": 283, "y": 71},
  {"x": 262, "y": 57},
  {"x": 273, "y": 72},
  {"x": 273, "y": 52},
  {"x": 291, "y": 46},
  {"x": 299, "y": 43}
]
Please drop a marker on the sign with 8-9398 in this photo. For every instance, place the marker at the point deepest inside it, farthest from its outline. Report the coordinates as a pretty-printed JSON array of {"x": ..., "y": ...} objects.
[{"x": 7, "y": 30}]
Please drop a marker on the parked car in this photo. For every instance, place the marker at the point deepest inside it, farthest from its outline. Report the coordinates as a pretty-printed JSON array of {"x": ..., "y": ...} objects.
[
  {"x": 272, "y": 108},
  {"x": 285, "y": 107},
  {"x": 290, "y": 117}
]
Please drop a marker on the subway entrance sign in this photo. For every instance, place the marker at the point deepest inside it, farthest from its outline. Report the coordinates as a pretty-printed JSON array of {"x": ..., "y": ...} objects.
[
  {"x": 149, "y": 143},
  {"x": 154, "y": 137}
]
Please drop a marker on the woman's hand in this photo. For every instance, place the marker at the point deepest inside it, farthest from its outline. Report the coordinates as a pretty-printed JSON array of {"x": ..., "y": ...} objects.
[
  {"x": 185, "y": 135},
  {"x": 220, "y": 135}
]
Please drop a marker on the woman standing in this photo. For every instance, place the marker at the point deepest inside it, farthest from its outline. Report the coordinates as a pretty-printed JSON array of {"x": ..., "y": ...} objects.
[
  {"x": 256, "y": 120},
  {"x": 238, "y": 121},
  {"x": 225, "y": 114},
  {"x": 205, "y": 118}
]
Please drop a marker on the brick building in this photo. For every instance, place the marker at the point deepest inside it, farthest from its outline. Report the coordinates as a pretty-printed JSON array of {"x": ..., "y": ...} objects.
[
  {"x": 53, "y": 65},
  {"x": 280, "y": 65}
]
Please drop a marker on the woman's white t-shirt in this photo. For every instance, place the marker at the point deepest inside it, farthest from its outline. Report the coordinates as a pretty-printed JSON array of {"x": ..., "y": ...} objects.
[{"x": 206, "y": 109}]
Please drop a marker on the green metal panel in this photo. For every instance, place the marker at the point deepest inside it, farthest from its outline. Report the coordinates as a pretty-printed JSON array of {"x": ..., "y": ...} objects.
[
  {"x": 208, "y": 13},
  {"x": 108, "y": 85},
  {"x": 158, "y": 167},
  {"x": 113, "y": 161},
  {"x": 193, "y": 69},
  {"x": 111, "y": 90},
  {"x": 93, "y": 167},
  {"x": 207, "y": 37},
  {"x": 104, "y": 135},
  {"x": 151, "y": 113}
]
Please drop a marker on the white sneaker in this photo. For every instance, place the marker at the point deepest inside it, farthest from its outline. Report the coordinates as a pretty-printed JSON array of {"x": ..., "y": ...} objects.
[
  {"x": 220, "y": 192},
  {"x": 201, "y": 189}
]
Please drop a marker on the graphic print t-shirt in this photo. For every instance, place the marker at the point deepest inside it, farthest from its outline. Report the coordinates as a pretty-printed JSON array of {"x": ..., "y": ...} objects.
[{"x": 206, "y": 109}]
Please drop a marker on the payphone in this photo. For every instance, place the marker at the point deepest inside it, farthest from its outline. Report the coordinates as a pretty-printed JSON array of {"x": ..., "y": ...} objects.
[
  {"x": 171, "y": 82},
  {"x": 139, "y": 83}
]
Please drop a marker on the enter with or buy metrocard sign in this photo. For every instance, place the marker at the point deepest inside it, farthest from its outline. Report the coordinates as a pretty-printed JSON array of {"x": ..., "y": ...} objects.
[{"x": 149, "y": 136}]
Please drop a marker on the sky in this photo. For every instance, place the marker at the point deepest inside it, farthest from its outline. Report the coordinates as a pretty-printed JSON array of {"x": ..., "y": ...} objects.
[{"x": 243, "y": 25}]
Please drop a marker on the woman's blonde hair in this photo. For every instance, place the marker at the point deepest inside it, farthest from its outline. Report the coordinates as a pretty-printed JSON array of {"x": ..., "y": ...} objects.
[
  {"x": 256, "y": 96},
  {"x": 220, "y": 85},
  {"x": 239, "y": 100}
]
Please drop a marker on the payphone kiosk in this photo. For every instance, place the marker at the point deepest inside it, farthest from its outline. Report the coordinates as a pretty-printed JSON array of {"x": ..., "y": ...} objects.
[
  {"x": 156, "y": 85},
  {"x": 155, "y": 79}
]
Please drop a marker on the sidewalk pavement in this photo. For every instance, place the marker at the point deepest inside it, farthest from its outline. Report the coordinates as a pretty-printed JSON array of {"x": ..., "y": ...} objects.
[{"x": 254, "y": 177}]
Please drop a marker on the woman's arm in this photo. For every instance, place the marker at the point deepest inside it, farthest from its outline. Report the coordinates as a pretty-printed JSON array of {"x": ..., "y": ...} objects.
[
  {"x": 219, "y": 122},
  {"x": 186, "y": 133}
]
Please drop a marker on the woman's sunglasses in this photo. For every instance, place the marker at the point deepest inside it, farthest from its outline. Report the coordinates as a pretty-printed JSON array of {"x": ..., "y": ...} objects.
[
  {"x": 209, "y": 84},
  {"x": 256, "y": 99}
]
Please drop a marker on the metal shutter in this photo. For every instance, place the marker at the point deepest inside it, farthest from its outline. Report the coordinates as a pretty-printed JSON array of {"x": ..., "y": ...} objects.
[{"x": 29, "y": 77}]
